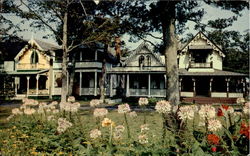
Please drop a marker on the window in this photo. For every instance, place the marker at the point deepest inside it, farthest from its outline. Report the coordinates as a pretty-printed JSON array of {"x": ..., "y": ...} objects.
[
  {"x": 141, "y": 61},
  {"x": 148, "y": 61},
  {"x": 34, "y": 57}
]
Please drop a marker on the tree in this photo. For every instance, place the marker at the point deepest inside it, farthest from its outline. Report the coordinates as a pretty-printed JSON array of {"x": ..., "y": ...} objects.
[{"x": 58, "y": 17}]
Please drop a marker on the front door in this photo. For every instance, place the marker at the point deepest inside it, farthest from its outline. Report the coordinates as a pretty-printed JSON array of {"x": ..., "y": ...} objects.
[{"x": 202, "y": 86}]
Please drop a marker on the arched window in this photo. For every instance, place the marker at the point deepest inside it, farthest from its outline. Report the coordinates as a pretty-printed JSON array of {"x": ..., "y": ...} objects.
[
  {"x": 34, "y": 57},
  {"x": 148, "y": 61},
  {"x": 141, "y": 61}
]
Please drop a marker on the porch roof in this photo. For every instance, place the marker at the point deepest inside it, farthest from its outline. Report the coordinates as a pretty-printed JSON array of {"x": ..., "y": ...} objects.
[
  {"x": 27, "y": 72},
  {"x": 184, "y": 72}
]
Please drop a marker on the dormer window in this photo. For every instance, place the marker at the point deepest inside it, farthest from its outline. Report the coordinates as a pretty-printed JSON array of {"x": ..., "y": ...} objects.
[
  {"x": 141, "y": 61},
  {"x": 34, "y": 57}
]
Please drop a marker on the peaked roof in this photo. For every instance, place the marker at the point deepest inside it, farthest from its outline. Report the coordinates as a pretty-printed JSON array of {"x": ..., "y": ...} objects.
[
  {"x": 138, "y": 49},
  {"x": 46, "y": 46},
  {"x": 43, "y": 46},
  {"x": 209, "y": 42}
]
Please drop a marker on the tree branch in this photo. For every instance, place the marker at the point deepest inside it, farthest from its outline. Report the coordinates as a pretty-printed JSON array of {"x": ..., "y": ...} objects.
[{"x": 41, "y": 19}]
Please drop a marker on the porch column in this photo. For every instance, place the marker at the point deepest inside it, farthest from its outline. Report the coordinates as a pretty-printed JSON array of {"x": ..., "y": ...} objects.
[
  {"x": 210, "y": 86},
  {"x": 95, "y": 55},
  {"x": 80, "y": 55},
  {"x": 28, "y": 84},
  {"x": 111, "y": 86},
  {"x": 227, "y": 81},
  {"x": 243, "y": 85},
  {"x": 80, "y": 85},
  {"x": 180, "y": 83},
  {"x": 127, "y": 87},
  {"x": 16, "y": 84},
  {"x": 95, "y": 91},
  {"x": 149, "y": 84},
  {"x": 194, "y": 86},
  {"x": 37, "y": 83}
]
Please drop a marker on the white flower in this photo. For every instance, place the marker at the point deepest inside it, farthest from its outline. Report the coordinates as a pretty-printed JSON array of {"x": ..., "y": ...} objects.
[
  {"x": 133, "y": 114},
  {"x": 163, "y": 106},
  {"x": 246, "y": 108},
  {"x": 30, "y": 102},
  {"x": 95, "y": 102},
  {"x": 143, "y": 101},
  {"x": 100, "y": 112},
  {"x": 16, "y": 111},
  {"x": 95, "y": 133},
  {"x": 207, "y": 111},
  {"x": 54, "y": 103},
  {"x": 240, "y": 100},
  {"x": 10, "y": 117},
  {"x": 230, "y": 110},
  {"x": 71, "y": 99},
  {"x": 186, "y": 113},
  {"x": 55, "y": 111},
  {"x": 70, "y": 107},
  {"x": 144, "y": 128},
  {"x": 51, "y": 117},
  {"x": 214, "y": 125},
  {"x": 124, "y": 108},
  {"x": 120, "y": 128},
  {"x": 143, "y": 139},
  {"x": 29, "y": 111},
  {"x": 63, "y": 125}
]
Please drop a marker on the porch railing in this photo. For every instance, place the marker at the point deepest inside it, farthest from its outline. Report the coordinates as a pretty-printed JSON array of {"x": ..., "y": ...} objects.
[
  {"x": 201, "y": 65},
  {"x": 30, "y": 66}
]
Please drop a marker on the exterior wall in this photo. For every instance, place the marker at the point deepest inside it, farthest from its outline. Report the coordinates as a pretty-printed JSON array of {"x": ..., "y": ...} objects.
[
  {"x": 183, "y": 61},
  {"x": 25, "y": 64},
  {"x": 217, "y": 61},
  {"x": 9, "y": 65}
]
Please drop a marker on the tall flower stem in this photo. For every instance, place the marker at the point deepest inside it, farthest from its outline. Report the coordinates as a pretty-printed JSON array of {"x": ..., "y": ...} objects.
[
  {"x": 126, "y": 121},
  {"x": 163, "y": 128},
  {"x": 111, "y": 133},
  {"x": 144, "y": 115}
]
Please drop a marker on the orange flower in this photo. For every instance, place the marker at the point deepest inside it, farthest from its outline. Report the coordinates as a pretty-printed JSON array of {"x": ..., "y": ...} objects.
[
  {"x": 225, "y": 107},
  {"x": 245, "y": 130},
  {"x": 213, "y": 139},
  {"x": 107, "y": 122},
  {"x": 220, "y": 113}
]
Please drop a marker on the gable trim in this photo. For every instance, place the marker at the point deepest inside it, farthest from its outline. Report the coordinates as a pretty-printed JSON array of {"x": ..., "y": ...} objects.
[{"x": 209, "y": 42}]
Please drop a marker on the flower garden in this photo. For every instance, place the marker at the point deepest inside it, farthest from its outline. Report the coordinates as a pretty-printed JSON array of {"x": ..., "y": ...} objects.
[{"x": 64, "y": 129}]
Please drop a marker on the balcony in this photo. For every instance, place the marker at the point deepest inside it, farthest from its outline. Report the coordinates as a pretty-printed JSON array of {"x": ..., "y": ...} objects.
[
  {"x": 89, "y": 64},
  {"x": 201, "y": 65},
  {"x": 28, "y": 66}
]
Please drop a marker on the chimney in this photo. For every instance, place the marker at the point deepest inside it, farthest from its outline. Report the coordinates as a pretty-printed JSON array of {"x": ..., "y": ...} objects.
[{"x": 118, "y": 47}]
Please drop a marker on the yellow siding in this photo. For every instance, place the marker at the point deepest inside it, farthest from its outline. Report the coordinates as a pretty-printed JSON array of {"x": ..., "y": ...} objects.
[{"x": 25, "y": 64}]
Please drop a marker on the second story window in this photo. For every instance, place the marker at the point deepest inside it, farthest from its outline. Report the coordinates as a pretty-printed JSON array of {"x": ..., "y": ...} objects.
[
  {"x": 141, "y": 61},
  {"x": 148, "y": 61},
  {"x": 34, "y": 57}
]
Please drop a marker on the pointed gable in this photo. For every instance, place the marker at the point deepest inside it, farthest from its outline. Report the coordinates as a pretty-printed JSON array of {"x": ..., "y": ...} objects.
[
  {"x": 201, "y": 41},
  {"x": 143, "y": 52}
]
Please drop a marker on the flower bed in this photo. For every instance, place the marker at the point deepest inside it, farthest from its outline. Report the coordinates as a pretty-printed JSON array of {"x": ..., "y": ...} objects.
[{"x": 61, "y": 129}]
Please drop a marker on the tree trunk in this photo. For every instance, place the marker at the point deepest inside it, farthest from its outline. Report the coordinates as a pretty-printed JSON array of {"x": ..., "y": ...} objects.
[
  {"x": 172, "y": 74},
  {"x": 170, "y": 52},
  {"x": 64, "y": 59},
  {"x": 72, "y": 74},
  {"x": 102, "y": 80}
]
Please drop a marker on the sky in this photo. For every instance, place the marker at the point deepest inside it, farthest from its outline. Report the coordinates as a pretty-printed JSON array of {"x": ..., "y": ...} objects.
[{"x": 211, "y": 13}]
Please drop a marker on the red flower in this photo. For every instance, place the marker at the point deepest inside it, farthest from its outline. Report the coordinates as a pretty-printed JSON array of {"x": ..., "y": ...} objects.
[
  {"x": 213, "y": 149},
  {"x": 245, "y": 130},
  {"x": 225, "y": 107},
  {"x": 220, "y": 113},
  {"x": 213, "y": 139}
]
